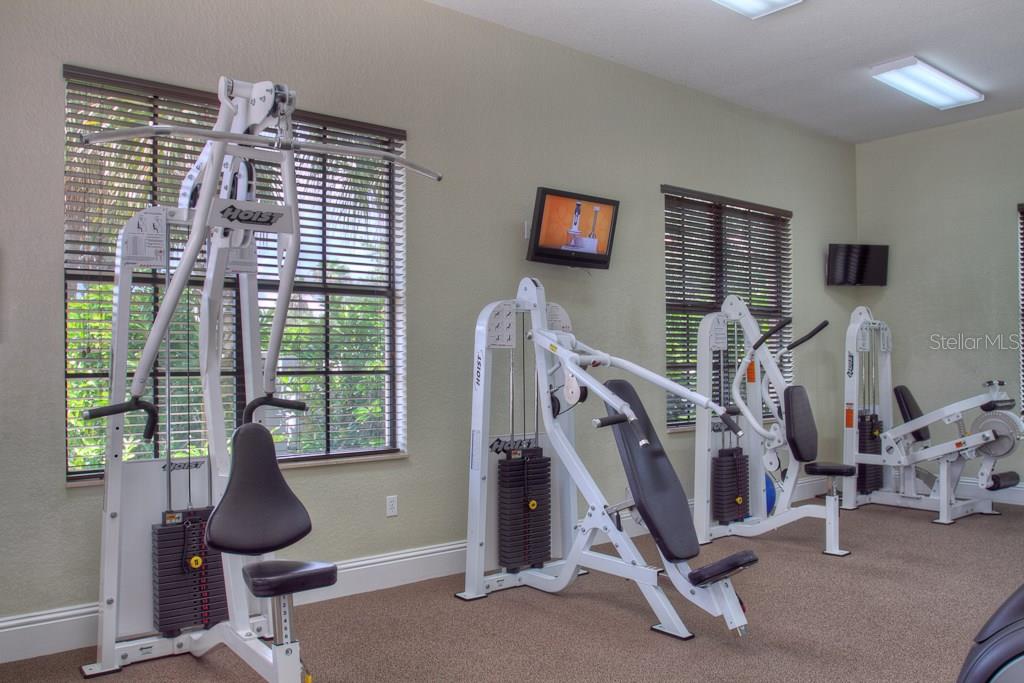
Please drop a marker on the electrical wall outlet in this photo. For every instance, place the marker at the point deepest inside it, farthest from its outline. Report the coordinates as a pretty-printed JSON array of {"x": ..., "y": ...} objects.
[{"x": 392, "y": 506}]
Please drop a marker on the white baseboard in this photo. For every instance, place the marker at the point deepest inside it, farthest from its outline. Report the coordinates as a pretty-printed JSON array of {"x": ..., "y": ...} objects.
[
  {"x": 68, "y": 628},
  {"x": 378, "y": 572},
  {"x": 809, "y": 487},
  {"x": 44, "y": 633},
  {"x": 968, "y": 488}
]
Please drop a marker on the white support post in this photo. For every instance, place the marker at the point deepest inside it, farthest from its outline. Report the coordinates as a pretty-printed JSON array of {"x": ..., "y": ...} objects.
[
  {"x": 832, "y": 525},
  {"x": 110, "y": 542}
]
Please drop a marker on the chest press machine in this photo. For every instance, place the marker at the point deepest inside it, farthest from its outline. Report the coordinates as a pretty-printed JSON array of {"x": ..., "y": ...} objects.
[
  {"x": 889, "y": 455},
  {"x": 174, "y": 576},
  {"x": 561, "y": 361},
  {"x": 731, "y": 488}
]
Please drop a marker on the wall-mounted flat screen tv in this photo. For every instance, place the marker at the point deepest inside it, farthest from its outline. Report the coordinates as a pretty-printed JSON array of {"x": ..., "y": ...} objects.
[
  {"x": 571, "y": 229},
  {"x": 857, "y": 264}
]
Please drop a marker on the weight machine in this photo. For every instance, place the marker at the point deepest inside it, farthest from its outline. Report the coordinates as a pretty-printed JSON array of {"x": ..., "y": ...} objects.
[
  {"x": 731, "y": 474},
  {"x": 889, "y": 456},
  {"x": 524, "y": 531},
  {"x": 173, "y": 575}
]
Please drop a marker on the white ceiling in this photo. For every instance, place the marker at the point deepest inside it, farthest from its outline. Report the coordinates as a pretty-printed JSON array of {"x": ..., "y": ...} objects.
[{"x": 809, "y": 64}]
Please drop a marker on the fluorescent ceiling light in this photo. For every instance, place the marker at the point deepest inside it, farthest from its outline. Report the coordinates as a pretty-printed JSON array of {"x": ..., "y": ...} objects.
[
  {"x": 755, "y": 9},
  {"x": 926, "y": 83}
]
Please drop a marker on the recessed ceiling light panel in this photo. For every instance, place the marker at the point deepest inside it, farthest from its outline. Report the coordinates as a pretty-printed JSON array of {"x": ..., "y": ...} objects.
[
  {"x": 924, "y": 82},
  {"x": 755, "y": 9}
]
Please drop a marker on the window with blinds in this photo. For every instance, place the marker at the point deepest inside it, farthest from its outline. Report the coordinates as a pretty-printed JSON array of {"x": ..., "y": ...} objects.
[
  {"x": 714, "y": 247},
  {"x": 343, "y": 348}
]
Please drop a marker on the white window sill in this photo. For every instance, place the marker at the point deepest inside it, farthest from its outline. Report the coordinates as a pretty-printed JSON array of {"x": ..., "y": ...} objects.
[{"x": 302, "y": 464}]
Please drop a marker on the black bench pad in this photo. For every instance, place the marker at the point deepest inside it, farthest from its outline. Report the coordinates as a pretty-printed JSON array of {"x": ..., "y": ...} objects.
[
  {"x": 830, "y": 469},
  {"x": 724, "y": 568},
  {"x": 270, "y": 578},
  {"x": 910, "y": 410},
  {"x": 801, "y": 432},
  {"x": 658, "y": 493}
]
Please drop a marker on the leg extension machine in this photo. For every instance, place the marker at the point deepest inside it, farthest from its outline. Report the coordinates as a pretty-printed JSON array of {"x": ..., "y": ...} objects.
[{"x": 890, "y": 456}]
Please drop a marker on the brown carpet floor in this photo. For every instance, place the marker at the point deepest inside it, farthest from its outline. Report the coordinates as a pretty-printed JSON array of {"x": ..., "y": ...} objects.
[{"x": 904, "y": 607}]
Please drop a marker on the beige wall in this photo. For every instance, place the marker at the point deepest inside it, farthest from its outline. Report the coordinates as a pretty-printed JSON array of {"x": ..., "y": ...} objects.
[
  {"x": 499, "y": 113},
  {"x": 946, "y": 200}
]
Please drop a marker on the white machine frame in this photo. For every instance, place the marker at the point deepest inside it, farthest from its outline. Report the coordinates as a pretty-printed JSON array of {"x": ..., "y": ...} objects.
[
  {"x": 558, "y": 353},
  {"x": 900, "y": 453},
  {"x": 226, "y": 226},
  {"x": 761, "y": 443}
]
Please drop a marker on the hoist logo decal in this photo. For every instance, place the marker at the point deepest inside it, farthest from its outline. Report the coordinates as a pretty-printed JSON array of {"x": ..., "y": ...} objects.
[
  {"x": 235, "y": 215},
  {"x": 849, "y": 365},
  {"x": 178, "y": 466}
]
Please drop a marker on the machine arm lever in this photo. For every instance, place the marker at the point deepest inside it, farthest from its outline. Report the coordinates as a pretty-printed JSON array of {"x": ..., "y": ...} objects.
[
  {"x": 288, "y": 404},
  {"x": 807, "y": 337},
  {"x": 609, "y": 420},
  {"x": 127, "y": 407},
  {"x": 730, "y": 423},
  {"x": 770, "y": 333}
]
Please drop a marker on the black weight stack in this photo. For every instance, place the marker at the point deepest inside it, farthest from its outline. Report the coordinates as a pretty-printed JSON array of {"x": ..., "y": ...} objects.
[
  {"x": 188, "y": 582},
  {"x": 869, "y": 428},
  {"x": 524, "y": 510},
  {"x": 730, "y": 486}
]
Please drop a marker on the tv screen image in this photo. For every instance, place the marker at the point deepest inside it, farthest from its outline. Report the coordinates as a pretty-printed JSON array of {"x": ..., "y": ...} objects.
[
  {"x": 572, "y": 229},
  {"x": 858, "y": 264}
]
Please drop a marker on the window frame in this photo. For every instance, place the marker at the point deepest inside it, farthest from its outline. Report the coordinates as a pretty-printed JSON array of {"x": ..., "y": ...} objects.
[
  {"x": 724, "y": 209},
  {"x": 391, "y": 293},
  {"x": 1020, "y": 294}
]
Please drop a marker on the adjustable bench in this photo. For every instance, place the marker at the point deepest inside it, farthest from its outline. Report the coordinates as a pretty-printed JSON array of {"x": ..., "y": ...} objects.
[{"x": 659, "y": 496}]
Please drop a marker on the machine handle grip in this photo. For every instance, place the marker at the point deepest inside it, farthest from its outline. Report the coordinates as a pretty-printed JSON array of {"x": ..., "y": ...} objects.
[
  {"x": 767, "y": 335},
  {"x": 730, "y": 423},
  {"x": 127, "y": 407},
  {"x": 250, "y": 408},
  {"x": 609, "y": 420},
  {"x": 807, "y": 337}
]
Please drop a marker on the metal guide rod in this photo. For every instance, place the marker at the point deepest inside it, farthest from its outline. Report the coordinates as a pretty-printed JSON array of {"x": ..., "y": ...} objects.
[{"x": 258, "y": 141}]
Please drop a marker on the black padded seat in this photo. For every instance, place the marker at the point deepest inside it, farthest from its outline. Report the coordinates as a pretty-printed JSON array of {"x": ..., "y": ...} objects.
[
  {"x": 724, "y": 568},
  {"x": 911, "y": 411},
  {"x": 258, "y": 513},
  {"x": 270, "y": 578},
  {"x": 830, "y": 469},
  {"x": 801, "y": 432},
  {"x": 659, "y": 496}
]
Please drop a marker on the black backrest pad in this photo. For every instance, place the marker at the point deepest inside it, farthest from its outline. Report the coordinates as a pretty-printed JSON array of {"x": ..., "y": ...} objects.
[
  {"x": 659, "y": 496},
  {"x": 911, "y": 411},
  {"x": 258, "y": 513},
  {"x": 801, "y": 432}
]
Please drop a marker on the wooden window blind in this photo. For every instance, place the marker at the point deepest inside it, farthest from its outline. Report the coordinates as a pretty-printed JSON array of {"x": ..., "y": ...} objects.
[
  {"x": 343, "y": 349},
  {"x": 714, "y": 247}
]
